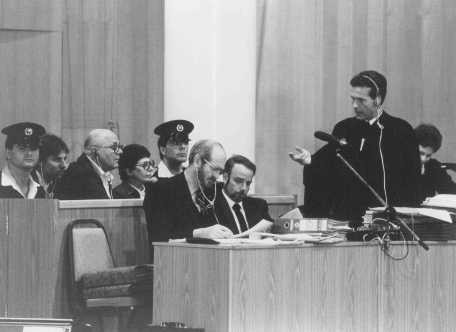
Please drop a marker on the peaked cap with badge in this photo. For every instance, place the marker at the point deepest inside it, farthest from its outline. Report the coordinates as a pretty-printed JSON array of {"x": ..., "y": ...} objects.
[
  {"x": 176, "y": 129},
  {"x": 24, "y": 133}
]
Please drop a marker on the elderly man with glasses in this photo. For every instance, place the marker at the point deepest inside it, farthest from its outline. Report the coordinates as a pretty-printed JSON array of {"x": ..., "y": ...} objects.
[
  {"x": 183, "y": 206},
  {"x": 90, "y": 176}
]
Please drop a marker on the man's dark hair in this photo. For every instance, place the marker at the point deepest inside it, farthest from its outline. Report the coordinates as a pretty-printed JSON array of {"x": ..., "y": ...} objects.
[
  {"x": 428, "y": 135},
  {"x": 51, "y": 145},
  {"x": 238, "y": 159},
  {"x": 130, "y": 156},
  {"x": 373, "y": 80}
]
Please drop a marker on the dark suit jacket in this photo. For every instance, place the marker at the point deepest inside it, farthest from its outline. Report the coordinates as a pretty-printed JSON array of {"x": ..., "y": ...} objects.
[
  {"x": 435, "y": 180},
  {"x": 255, "y": 210},
  {"x": 10, "y": 192},
  {"x": 170, "y": 212},
  {"x": 80, "y": 181},
  {"x": 124, "y": 190}
]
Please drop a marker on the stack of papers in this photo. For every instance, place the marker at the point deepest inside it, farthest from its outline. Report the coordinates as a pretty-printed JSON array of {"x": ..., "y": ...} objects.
[
  {"x": 429, "y": 213},
  {"x": 283, "y": 239},
  {"x": 444, "y": 201}
]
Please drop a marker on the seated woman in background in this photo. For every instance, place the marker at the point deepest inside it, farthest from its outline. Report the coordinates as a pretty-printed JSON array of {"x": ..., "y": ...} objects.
[
  {"x": 434, "y": 179},
  {"x": 135, "y": 169},
  {"x": 53, "y": 162}
]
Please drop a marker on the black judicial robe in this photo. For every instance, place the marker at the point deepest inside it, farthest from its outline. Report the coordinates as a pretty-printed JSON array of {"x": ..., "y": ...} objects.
[
  {"x": 331, "y": 190},
  {"x": 255, "y": 210},
  {"x": 435, "y": 180},
  {"x": 170, "y": 211}
]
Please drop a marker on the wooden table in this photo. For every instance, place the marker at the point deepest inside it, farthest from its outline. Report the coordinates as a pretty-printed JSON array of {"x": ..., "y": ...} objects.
[{"x": 344, "y": 287}]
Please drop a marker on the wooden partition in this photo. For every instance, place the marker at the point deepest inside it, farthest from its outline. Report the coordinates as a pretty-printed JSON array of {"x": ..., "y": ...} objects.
[
  {"x": 34, "y": 266},
  {"x": 344, "y": 287}
]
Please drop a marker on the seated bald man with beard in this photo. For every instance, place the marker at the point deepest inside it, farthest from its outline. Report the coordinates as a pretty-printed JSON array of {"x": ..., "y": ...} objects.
[
  {"x": 90, "y": 176},
  {"x": 183, "y": 206}
]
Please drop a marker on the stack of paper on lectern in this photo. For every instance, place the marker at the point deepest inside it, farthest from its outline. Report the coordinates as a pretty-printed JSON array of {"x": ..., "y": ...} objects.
[
  {"x": 423, "y": 214},
  {"x": 443, "y": 200}
]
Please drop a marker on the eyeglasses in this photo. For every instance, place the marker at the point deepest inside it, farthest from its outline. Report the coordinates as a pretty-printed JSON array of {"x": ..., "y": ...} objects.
[
  {"x": 116, "y": 147},
  {"x": 147, "y": 165},
  {"x": 214, "y": 167}
]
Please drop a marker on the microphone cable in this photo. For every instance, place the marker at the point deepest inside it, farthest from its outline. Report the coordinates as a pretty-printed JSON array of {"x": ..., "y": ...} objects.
[{"x": 382, "y": 160}]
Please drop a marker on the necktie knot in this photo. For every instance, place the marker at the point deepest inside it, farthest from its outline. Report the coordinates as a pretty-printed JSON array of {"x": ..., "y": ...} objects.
[{"x": 236, "y": 207}]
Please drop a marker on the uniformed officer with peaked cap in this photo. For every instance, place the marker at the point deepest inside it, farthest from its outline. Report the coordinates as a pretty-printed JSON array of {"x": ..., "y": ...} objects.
[
  {"x": 173, "y": 146},
  {"x": 22, "y": 154}
]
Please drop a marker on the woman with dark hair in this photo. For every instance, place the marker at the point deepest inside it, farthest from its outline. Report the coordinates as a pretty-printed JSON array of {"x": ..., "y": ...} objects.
[
  {"x": 434, "y": 179},
  {"x": 135, "y": 169},
  {"x": 53, "y": 162}
]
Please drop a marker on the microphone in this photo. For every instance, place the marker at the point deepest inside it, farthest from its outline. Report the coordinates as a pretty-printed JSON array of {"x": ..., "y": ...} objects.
[
  {"x": 329, "y": 138},
  {"x": 450, "y": 166}
]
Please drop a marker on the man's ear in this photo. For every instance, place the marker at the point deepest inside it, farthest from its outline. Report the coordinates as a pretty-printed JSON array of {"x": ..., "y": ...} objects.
[
  {"x": 162, "y": 149},
  {"x": 198, "y": 161},
  {"x": 378, "y": 101},
  {"x": 225, "y": 177},
  {"x": 8, "y": 154}
]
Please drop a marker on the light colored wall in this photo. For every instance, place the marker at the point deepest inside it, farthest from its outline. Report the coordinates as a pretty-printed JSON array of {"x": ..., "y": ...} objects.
[{"x": 210, "y": 69}]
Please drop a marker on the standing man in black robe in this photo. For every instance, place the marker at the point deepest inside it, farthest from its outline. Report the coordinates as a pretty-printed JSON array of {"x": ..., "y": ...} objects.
[{"x": 381, "y": 147}]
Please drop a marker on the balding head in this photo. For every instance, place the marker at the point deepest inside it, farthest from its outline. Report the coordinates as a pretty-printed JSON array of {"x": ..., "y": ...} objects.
[
  {"x": 99, "y": 137},
  {"x": 208, "y": 158},
  {"x": 102, "y": 146}
]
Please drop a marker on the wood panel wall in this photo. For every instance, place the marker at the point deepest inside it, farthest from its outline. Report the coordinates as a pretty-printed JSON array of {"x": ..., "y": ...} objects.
[
  {"x": 308, "y": 51},
  {"x": 81, "y": 64}
]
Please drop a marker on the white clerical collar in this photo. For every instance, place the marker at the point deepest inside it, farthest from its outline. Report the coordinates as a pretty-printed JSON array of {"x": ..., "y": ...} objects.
[
  {"x": 230, "y": 201},
  {"x": 8, "y": 180},
  {"x": 106, "y": 177},
  {"x": 379, "y": 114}
]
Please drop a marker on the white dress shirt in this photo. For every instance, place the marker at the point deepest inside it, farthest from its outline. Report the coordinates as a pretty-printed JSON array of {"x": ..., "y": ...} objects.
[
  {"x": 230, "y": 204},
  {"x": 106, "y": 177}
]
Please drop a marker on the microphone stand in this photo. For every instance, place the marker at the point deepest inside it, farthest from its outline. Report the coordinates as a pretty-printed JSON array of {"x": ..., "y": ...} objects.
[{"x": 389, "y": 210}]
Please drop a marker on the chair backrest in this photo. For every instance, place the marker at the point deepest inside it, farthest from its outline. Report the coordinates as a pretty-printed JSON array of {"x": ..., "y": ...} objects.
[
  {"x": 90, "y": 250},
  {"x": 278, "y": 204}
]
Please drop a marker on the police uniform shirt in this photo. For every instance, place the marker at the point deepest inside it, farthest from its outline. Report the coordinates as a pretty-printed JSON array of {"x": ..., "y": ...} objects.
[
  {"x": 8, "y": 180},
  {"x": 163, "y": 171}
]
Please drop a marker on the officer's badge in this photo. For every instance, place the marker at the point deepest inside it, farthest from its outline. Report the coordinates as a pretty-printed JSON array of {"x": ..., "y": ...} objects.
[
  {"x": 180, "y": 128},
  {"x": 28, "y": 131}
]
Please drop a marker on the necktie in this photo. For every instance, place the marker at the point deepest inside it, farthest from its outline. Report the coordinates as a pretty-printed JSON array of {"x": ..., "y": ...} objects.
[{"x": 240, "y": 217}]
